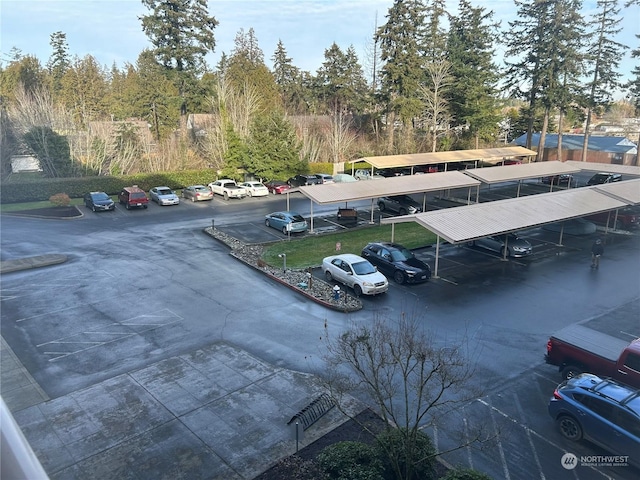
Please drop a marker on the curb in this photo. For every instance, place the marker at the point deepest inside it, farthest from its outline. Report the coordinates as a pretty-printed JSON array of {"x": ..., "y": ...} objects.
[
  {"x": 332, "y": 306},
  {"x": 8, "y": 266}
]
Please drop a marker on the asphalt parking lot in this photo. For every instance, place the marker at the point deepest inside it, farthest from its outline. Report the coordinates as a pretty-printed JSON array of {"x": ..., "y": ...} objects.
[{"x": 151, "y": 351}]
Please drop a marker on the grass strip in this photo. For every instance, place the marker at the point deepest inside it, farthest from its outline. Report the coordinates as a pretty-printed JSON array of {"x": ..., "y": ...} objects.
[{"x": 310, "y": 250}]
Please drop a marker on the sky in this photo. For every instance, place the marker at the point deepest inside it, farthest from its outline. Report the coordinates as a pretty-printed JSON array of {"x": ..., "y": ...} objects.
[{"x": 110, "y": 30}]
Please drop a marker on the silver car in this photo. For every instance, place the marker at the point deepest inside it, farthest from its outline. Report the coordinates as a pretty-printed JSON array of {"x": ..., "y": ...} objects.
[
  {"x": 355, "y": 272},
  {"x": 197, "y": 193},
  {"x": 515, "y": 246},
  {"x": 163, "y": 196}
]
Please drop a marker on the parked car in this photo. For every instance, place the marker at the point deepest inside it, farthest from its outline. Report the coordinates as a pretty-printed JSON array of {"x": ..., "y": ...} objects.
[
  {"x": 391, "y": 172},
  {"x": 364, "y": 174},
  {"x": 227, "y": 188},
  {"x": 604, "y": 412},
  {"x": 99, "y": 201},
  {"x": 302, "y": 180},
  {"x": 396, "y": 261},
  {"x": 255, "y": 189},
  {"x": 197, "y": 193},
  {"x": 344, "y": 178},
  {"x": 627, "y": 218},
  {"x": 325, "y": 178},
  {"x": 277, "y": 187},
  {"x": 400, "y": 204},
  {"x": 133, "y": 197},
  {"x": 164, "y": 196},
  {"x": 604, "y": 177},
  {"x": 355, "y": 272},
  {"x": 564, "y": 179},
  {"x": 516, "y": 246},
  {"x": 574, "y": 226},
  {"x": 286, "y": 222}
]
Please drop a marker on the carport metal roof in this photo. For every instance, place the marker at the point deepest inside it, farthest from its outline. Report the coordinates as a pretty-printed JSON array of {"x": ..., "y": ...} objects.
[
  {"x": 366, "y": 189},
  {"x": 413, "y": 159},
  {"x": 627, "y": 191},
  {"x": 604, "y": 167},
  {"x": 471, "y": 222},
  {"x": 519, "y": 172}
]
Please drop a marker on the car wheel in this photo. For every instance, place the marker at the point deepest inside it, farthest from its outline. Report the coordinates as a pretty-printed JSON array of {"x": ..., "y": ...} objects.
[
  {"x": 381, "y": 206},
  {"x": 399, "y": 277},
  {"x": 357, "y": 290},
  {"x": 226, "y": 196},
  {"x": 569, "y": 428},
  {"x": 502, "y": 252},
  {"x": 93, "y": 208},
  {"x": 145, "y": 206},
  {"x": 570, "y": 371},
  {"x": 402, "y": 211},
  {"x": 249, "y": 194},
  {"x": 128, "y": 207},
  {"x": 328, "y": 276},
  {"x": 284, "y": 230},
  {"x": 267, "y": 223}
]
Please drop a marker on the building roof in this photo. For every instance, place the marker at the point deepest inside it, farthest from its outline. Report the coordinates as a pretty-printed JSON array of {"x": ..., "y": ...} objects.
[
  {"x": 471, "y": 222},
  {"x": 574, "y": 142},
  {"x": 520, "y": 172},
  {"x": 413, "y": 159}
]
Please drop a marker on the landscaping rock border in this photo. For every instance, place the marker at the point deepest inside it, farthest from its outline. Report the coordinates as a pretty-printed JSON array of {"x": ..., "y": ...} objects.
[{"x": 300, "y": 281}]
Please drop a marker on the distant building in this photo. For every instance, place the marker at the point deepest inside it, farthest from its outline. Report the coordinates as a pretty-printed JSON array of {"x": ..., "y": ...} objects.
[
  {"x": 601, "y": 149},
  {"x": 25, "y": 163}
]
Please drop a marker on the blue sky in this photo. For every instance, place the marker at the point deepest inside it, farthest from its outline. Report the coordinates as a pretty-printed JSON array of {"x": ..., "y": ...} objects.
[{"x": 110, "y": 29}]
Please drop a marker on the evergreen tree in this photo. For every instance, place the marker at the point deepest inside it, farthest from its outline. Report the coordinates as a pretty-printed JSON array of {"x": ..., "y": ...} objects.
[
  {"x": 472, "y": 95},
  {"x": 84, "y": 91},
  {"x": 181, "y": 32},
  {"x": 59, "y": 62},
  {"x": 289, "y": 81},
  {"x": 341, "y": 82},
  {"x": 603, "y": 56},
  {"x": 402, "y": 53}
]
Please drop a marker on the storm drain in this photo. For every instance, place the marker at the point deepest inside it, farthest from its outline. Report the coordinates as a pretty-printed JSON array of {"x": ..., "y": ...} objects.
[{"x": 312, "y": 412}]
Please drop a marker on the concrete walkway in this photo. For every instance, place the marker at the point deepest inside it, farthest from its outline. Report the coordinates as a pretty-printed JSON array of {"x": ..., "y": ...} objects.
[{"x": 214, "y": 413}]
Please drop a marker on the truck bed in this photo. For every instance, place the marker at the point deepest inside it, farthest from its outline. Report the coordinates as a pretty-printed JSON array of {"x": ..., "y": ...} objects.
[{"x": 593, "y": 341}]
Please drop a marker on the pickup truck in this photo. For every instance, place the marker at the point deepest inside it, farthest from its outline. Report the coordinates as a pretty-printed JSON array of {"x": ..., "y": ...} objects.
[
  {"x": 227, "y": 188},
  {"x": 577, "y": 349}
]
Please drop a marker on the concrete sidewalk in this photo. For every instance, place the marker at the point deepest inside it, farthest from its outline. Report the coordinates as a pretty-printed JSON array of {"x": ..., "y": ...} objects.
[{"x": 7, "y": 266}]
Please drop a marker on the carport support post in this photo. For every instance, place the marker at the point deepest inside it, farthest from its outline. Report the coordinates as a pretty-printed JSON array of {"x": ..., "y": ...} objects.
[
  {"x": 371, "y": 222},
  {"x": 311, "y": 216},
  {"x": 435, "y": 268}
]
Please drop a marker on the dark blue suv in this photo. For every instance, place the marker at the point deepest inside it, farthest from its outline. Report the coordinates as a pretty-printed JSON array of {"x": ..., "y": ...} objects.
[{"x": 604, "y": 412}]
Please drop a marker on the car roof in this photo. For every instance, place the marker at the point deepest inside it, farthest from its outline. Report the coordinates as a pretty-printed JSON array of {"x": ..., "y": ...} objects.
[
  {"x": 389, "y": 245},
  {"x": 162, "y": 188},
  {"x": 349, "y": 257}
]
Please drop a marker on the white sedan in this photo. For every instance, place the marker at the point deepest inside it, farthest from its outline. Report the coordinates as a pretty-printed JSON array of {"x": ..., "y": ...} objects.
[
  {"x": 355, "y": 272},
  {"x": 255, "y": 189}
]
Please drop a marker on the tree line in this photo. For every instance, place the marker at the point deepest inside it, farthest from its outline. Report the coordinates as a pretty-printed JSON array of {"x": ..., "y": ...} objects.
[{"x": 429, "y": 82}]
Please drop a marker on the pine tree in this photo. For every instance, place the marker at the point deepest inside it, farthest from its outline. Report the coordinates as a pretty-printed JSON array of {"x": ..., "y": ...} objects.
[
  {"x": 59, "y": 62},
  {"x": 472, "y": 95},
  {"x": 181, "y": 32},
  {"x": 603, "y": 56}
]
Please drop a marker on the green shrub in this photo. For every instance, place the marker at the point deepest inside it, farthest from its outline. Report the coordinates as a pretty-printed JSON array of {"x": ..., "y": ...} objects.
[
  {"x": 399, "y": 450},
  {"x": 350, "y": 461},
  {"x": 60, "y": 200},
  {"x": 465, "y": 474}
]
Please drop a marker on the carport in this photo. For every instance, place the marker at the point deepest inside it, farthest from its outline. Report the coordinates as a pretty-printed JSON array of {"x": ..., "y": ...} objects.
[
  {"x": 372, "y": 189},
  {"x": 489, "y": 155},
  {"x": 508, "y": 173},
  {"x": 466, "y": 223}
]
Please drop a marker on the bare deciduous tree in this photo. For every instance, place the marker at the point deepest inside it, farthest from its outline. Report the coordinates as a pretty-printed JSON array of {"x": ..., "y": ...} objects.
[
  {"x": 412, "y": 379},
  {"x": 436, "y": 107},
  {"x": 340, "y": 138}
]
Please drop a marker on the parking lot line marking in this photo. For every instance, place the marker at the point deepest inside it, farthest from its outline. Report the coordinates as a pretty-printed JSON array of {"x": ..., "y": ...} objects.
[
  {"x": 505, "y": 467},
  {"x": 466, "y": 439},
  {"x": 529, "y": 439},
  {"x": 534, "y": 433}
]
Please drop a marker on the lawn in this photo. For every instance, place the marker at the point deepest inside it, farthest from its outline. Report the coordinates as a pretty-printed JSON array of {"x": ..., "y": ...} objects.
[{"x": 309, "y": 251}]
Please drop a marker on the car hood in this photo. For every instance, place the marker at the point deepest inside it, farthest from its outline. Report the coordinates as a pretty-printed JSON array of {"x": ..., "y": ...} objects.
[
  {"x": 103, "y": 202},
  {"x": 414, "y": 263}
]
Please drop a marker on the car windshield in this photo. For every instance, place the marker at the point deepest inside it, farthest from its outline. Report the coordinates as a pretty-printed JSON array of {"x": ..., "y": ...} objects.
[
  {"x": 363, "y": 268},
  {"x": 401, "y": 255},
  {"x": 297, "y": 218},
  {"x": 164, "y": 191},
  {"x": 101, "y": 196}
]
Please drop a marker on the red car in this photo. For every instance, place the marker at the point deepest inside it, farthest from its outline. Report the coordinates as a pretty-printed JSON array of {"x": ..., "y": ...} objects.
[{"x": 277, "y": 187}]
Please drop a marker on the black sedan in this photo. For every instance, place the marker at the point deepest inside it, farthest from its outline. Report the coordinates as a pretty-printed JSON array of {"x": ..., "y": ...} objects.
[
  {"x": 99, "y": 201},
  {"x": 400, "y": 204},
  {"x": 396, "y": 261},
  {"x": 301, "y": 180}
]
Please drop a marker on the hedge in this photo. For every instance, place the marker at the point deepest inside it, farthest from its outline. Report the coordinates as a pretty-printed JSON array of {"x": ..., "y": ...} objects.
[{"x": 29, "y": 189}]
